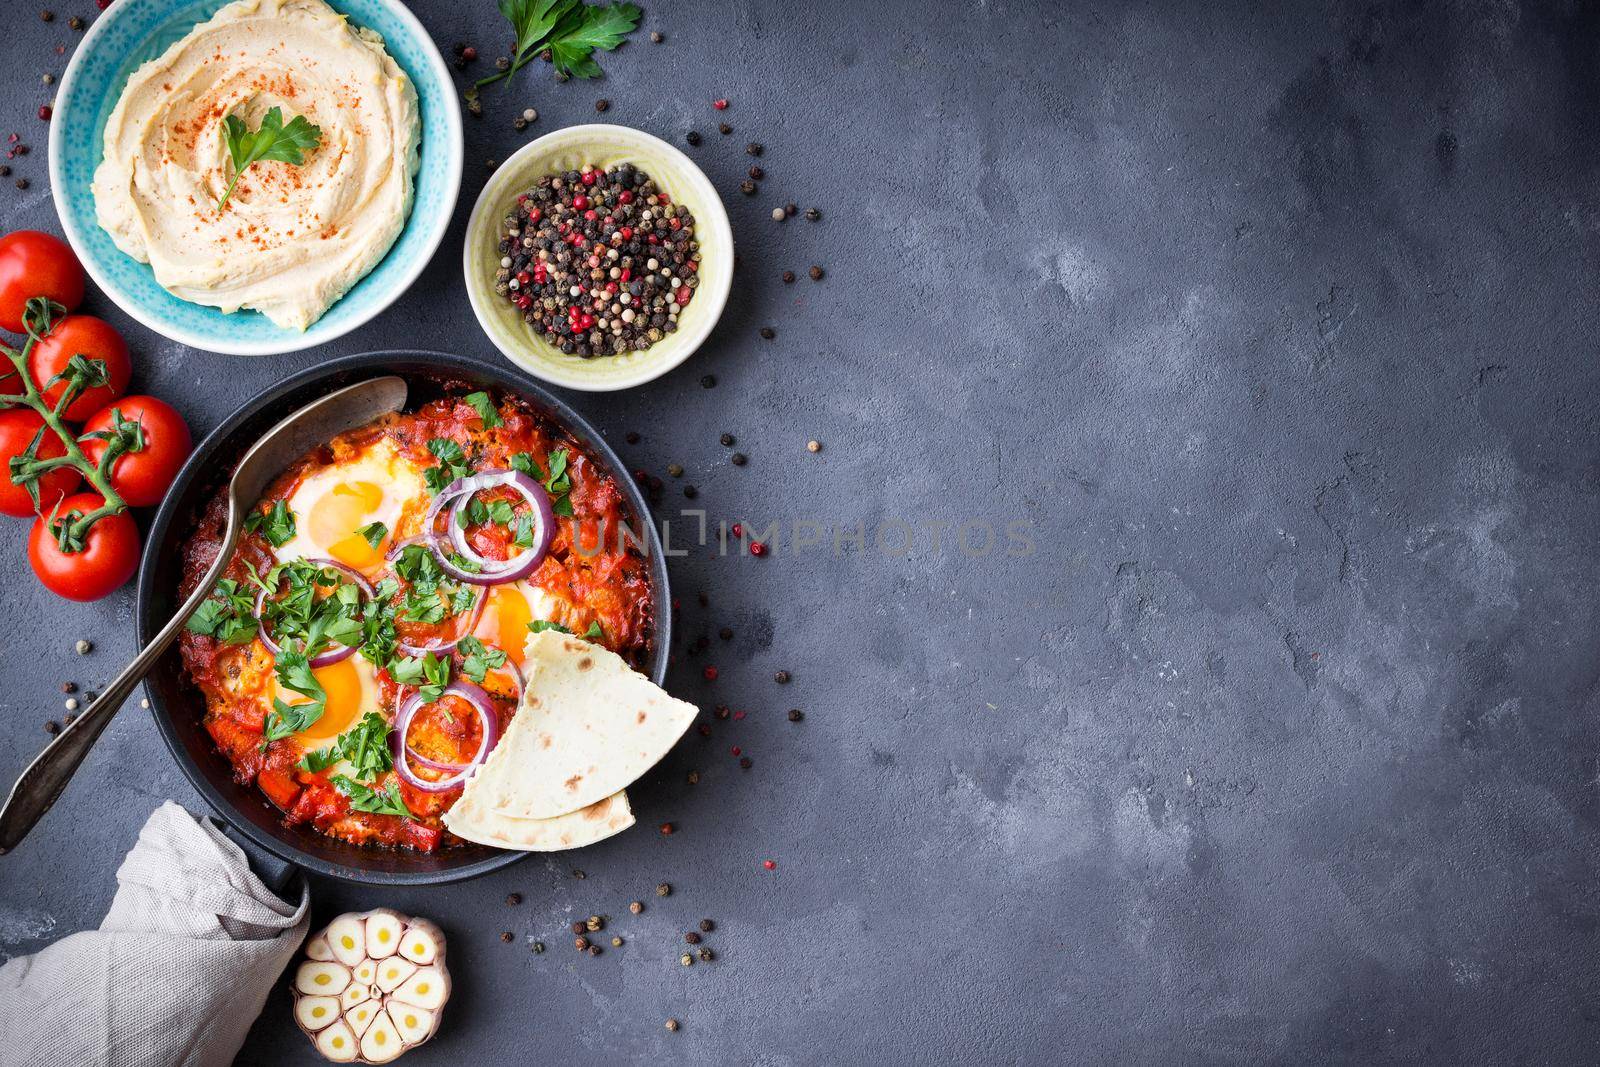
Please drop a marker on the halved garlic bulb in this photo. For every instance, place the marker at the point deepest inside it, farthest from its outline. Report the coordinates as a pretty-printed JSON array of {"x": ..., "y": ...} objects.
[{"x": 372, "y": 986}]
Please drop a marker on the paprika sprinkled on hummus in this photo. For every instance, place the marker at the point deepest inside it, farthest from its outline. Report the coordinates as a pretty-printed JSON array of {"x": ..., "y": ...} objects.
[{"x": 292, "y": 238}]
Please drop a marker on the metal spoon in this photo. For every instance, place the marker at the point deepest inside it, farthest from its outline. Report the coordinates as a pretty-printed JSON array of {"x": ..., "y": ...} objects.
[{"x": 356, "y": 405}]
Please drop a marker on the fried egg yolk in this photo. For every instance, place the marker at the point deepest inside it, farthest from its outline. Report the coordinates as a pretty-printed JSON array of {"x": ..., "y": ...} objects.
[
  {"x": 333, "y": 507},
  {"x": 352, "y": 688},
  {"x": 509, "y": 610}
]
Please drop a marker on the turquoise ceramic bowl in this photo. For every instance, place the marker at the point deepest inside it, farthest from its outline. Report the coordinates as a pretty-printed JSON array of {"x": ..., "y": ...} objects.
[{"x": 131, "y": 32}]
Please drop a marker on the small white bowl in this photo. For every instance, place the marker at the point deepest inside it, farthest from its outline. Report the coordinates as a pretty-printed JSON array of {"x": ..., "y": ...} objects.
[{"x": 598, "y": 145}]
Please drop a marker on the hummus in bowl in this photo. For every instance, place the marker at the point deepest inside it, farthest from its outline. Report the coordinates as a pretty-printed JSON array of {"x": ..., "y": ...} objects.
[{"x": 291, "y": 238}]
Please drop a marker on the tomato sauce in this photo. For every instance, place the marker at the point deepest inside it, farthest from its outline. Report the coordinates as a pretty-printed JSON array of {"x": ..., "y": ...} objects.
[{"x": 606, "y": 583}]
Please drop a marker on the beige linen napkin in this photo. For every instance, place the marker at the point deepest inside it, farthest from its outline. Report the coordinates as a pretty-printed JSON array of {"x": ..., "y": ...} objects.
[{"x": 175, "y": 975}]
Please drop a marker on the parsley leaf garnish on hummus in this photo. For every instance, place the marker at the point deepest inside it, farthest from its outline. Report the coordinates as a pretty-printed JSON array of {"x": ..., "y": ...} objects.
[{"x": 273, "y": 141}]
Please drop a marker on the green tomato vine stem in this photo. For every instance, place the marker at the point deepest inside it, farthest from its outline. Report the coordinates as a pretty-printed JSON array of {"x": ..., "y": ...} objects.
[{"x": 97, "y": 475}]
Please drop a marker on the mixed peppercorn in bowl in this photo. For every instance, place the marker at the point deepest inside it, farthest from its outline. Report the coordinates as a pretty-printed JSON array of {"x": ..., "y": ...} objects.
[{"x": 598, "y": 257}]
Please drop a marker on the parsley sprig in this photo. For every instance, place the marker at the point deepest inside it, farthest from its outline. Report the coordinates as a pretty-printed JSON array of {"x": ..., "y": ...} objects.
[
  {"x": 565, "y": 32},
  {"x": 272, "y": 140}
]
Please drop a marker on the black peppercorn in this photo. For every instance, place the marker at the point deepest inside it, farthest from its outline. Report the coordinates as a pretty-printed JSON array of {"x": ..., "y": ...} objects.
[
  {"x": 724, "y": 129},
  {"x": 795, "y": 714},
  {"x": 754, "y": 149},
  {"x": 744, "y": 763},
  {"x": 707, "y": 925},
  {"x": 664, "y": 889},
  {"x": 782, "y": 677},
  {"x": 768, "y": 333},
  {"x": 690, "y": 492},
  {"x": 602, "y": 104},
  {"x": 708, "y": 382},
  {"x": 725, "y": 633},
  {"x": 788, "y": 277},
  {"x": 507, "y": 936},
  {"x": 816, "y": 274},
  {"x": 812, "y": 214},
  {"x": 693, "y": 137},
  {"x": 692, "y": 938},
  {"x": 739, "y": 459},
  {"x": 632, "y": 437},
  {"x": 756, "y": 172},
  {"x": 579, "y": 927},
  {"x": 513, "y": 899},
  {"x": 726, "y": 439},
  {"x": 747, "y": 187}
]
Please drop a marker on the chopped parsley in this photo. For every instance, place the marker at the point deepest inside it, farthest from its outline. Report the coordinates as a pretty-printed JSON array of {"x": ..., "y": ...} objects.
[
  {"x": 484, "y": 406},
  {"x": 385, "y": 801},
  {"x": 374, "y": 532},
  {"x": 427, "y": 672},
  {"x": 539, "y": 626},
  {"x": 558, "y": 483},
  {"x": 228, "y": 615},
  {"x": 479, "y": 658},
  {"x": 276, "y": 524},
  {"x": 453, "y": 464}
]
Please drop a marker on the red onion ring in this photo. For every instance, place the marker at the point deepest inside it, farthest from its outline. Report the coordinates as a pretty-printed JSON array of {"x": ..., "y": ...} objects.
[
  {"x": 414, "y": 703},
  {"x": 333, "y": 655},
  {"x": 492, "y": 572},
  {"x": 438, "y": 765}
]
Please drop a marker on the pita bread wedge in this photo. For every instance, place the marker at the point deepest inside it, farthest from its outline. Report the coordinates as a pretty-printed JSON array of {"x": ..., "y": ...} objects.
[
  {"x": 588, "y": 727},
  {"x": 472, "y": 819}
]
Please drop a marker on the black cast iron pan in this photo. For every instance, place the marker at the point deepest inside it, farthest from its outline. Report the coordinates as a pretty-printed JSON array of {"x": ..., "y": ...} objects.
[{"x": 178, "y": 706}]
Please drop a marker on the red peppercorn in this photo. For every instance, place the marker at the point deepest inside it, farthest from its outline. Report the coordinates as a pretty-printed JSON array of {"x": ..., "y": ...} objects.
[
  {"x": 589, "y": 177},
  {"x": 523, "y": 277},
  {"x": 625, "y": 197},
  {"x": 627, "y": 274},
  {"x": 720, "y": 105},
  {"x": 736, "y": 750},
  {"x": 650, "y": 238},
  {"x": 738, "y": 530},
  {"x": 627, "y": 235},
  {"x": 45, "y": 112},
  {"x": 684, "y": 293},
  {"x": 534, "y": 215},
  {"x": 580, "y": 202},
  {"x": 769, "y": 865},
  {"x": 738, "y": 715},
  {"x": 757, "y": 548},
  {"x": 591, "y": 214},
  {"x": 675, "y": 223},
  {"x": 710, "y": 674},
  {"x": 469, "y": 53}
]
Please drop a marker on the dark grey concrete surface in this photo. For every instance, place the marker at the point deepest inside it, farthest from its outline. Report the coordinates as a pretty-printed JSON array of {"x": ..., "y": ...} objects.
[{"x": 1274, "y": 327}]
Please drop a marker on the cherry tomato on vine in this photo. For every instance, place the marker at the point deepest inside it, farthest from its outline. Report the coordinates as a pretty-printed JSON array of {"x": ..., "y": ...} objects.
[
  {"x": 108, "y": 558},
  {"x": 36, "y": 264},
  {"x": 140, "y": 477},
  {"x": 93, "y": 339},
  {"x": 18, "y": 427}
]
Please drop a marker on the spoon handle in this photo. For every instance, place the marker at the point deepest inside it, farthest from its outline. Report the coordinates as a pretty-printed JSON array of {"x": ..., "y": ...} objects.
[{"x": 42, "y": 782}]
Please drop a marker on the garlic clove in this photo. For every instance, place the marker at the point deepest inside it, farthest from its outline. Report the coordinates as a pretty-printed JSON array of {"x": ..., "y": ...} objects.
[
  {"x": 348, "y": 938},
  {"x": 392, "y": 972},
  {"x": 354, "y": 994},
  {"x": 384, "y": 929},
  {"x": 381, "y": 1043},
  {"x": 319, "y": 949},
  {"x": 415, "y": 1024},
  {"x": 360, "y": 1017},
  {"x": 428, "y": 988},
  {"x": 321, "y": 979},
  {"x": 315, "y": 1013},
  {"x": 338, "y": 1044},
  {"x": 423, "y": 943}
]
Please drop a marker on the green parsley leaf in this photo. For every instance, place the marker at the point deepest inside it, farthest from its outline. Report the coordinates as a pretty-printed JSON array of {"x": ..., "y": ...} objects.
[
  {"x": 452, "y": 464},
  {"x": 484, "y": 406},
  {"x": 276, "y": 524},
  {"x": 569, "y": 30},
  {"x": 228, "y": 615},
  {"x": 319, "y": 759},
  {"x": 427, "y": 672},
  {"x": 272, "y": 140},
  {"x": 365, "y": 746},
  {"x": 385, "y": 801},
  {"x": 374, "y": 533},
  {"x": 593, "y": 633},
  {"x": 539, "y": 626},
  {"x": 479, "y": 658}
]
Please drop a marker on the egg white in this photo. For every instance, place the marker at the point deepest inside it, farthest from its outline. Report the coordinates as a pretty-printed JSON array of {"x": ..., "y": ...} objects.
[{"x": 403, "y": 496}]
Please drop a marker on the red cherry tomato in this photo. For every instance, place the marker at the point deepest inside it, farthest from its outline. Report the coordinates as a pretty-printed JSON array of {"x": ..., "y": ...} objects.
[
  {"x": 143, "y": 477},
  {"x": 17, "y": 429},
  {"x": 108, "y": 558},
  {"x": 36, "y": 264},
  {"x": 91, "y": 338}
]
